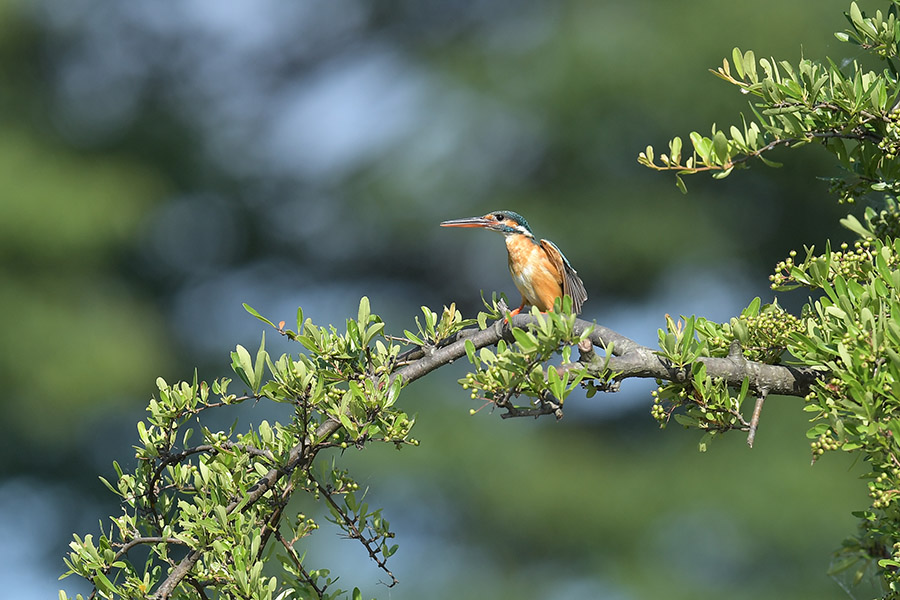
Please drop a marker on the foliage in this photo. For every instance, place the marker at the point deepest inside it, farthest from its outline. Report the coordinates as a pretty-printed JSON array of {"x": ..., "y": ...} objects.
[
  {"x": 514, "y": 370},
  {"x": 225, "y": 500},
  {"x": 760, "y": 333},
  {"x": 214, "y": 513},
  {"x": 852, "y": 114},
  {"x": 850, "y": 330}
]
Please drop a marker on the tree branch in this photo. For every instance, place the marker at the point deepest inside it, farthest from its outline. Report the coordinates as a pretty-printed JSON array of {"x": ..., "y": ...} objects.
[
  {"x": 754, "y": 420},
  {"x": 628, "y": 359}
]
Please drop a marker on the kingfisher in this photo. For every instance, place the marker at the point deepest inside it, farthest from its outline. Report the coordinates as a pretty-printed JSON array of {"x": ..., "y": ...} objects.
[{"x": 539, "y": 269}]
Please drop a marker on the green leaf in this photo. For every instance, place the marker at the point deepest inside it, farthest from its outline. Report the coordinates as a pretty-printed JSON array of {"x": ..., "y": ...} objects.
[
  {"x": 526, "y": 341},
  {"x": 738, "y": 59},
  {"x": 413, "y": 338},
  {"x": 845, "y": 355},
  {"x": 720, "y": 146},
  {"x": 103, "y": 584},
  {"x": 701, "y": 146},
  {"x": 265, "y": 432},
  {"x": 556, "y": 383},
  {"x": 143, "y": 434},
  {"x": 109, "y": 485},
  {"x": 430, "y": 320},
  {"x": 261, "y": 356},
  {"x": 752, "y": 309},
  {"x": 750, "y": 66},
  {"x": 745, "y": 387},
  {"x": 242, "y": 365},
  {"x": 470, "y": 352},
  {"x": 675, "y": 149},
  {"x": 769, "y": 163},
  {"x": 364, "y": 312},
  {"x": 687, "y": 334},
  {"x": 685, "y": 420},
  {"x": 486, "y": 356},
  {"x": 853, "y": 224},
  {"x": 371, "y": 332},
  {"x": 348, "y": 426},
  {"x": 253, "y": 312},
  {"x": 856, "y": 16}
]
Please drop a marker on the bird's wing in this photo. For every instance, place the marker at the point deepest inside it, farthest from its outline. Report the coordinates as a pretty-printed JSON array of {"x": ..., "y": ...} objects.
[{"x": 571, "y": 282}]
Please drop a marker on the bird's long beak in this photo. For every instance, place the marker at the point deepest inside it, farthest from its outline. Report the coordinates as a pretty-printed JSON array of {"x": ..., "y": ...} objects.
[{"x": 468, "y": 222}]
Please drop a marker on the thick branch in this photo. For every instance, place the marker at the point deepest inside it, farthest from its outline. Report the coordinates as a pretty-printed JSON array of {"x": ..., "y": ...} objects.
[
  {"x": 629, "y": 359},
  {"x": 778, "y": 379}
]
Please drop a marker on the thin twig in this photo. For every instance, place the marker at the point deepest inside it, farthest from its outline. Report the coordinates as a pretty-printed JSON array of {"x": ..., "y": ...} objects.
[
  {"x": 145, "y": 540},
  {"x": 292, "y": 553},
  {"x": 374, "y": 553},
  {"x": 754, "y": 420}
]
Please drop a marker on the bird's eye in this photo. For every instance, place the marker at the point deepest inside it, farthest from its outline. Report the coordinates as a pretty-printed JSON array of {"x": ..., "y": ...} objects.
[{"x": 498, "y": 216}]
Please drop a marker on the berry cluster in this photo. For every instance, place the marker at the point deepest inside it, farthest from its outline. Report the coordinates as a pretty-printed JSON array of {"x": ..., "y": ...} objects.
[
  {"x": 823, "y": 443},
  {"x": 852, "y": 264},
  {"x": 657, "y": 411},
  {"x": 489, "y": 382},
  {"x": 767, "y": 335},
  {"x": 887, "y": 223},
  {"x": 890, "y": 143},
  {"x": 881, "y": 489}
]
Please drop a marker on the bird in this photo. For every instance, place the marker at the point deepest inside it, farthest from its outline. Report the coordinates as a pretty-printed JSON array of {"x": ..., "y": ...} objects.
[{"x": 539, "y": 269}]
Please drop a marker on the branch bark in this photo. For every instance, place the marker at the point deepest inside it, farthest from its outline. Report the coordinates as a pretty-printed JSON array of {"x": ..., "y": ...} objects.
[{"x": 629, "y": 359}]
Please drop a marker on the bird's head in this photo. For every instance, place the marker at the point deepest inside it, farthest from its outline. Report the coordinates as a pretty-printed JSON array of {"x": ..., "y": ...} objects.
[{"x": 506, "y": 222}]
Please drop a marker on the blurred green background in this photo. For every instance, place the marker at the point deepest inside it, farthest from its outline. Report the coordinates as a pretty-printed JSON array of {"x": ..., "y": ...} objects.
[{"x": 163, "y": 162}]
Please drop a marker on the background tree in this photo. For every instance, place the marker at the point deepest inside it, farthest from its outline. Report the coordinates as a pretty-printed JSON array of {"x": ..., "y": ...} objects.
[
  {"x": 213, "y": 513},
  {"x": 286, "y": 155}
]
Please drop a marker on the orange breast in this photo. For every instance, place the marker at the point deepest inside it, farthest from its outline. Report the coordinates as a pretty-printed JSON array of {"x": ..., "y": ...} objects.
[{"x": 533, "y": 273}]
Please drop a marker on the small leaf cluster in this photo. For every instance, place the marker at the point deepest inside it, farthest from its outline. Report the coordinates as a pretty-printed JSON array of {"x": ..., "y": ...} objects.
[
  {"x": 434, "y": 328},
  {"x": 678, "y": 342},
  {"x": 850, "y": 113},
  {"x": 760, "y": 333},
  {"x": 703, "y": 402},
  {"x": 877, "y": 34},
  {"x": 222, "y": 502},
  {"x": 346, "y": 377},
  {"x": 699, "y": 400},
  {"x": 520, "y": 368}
]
